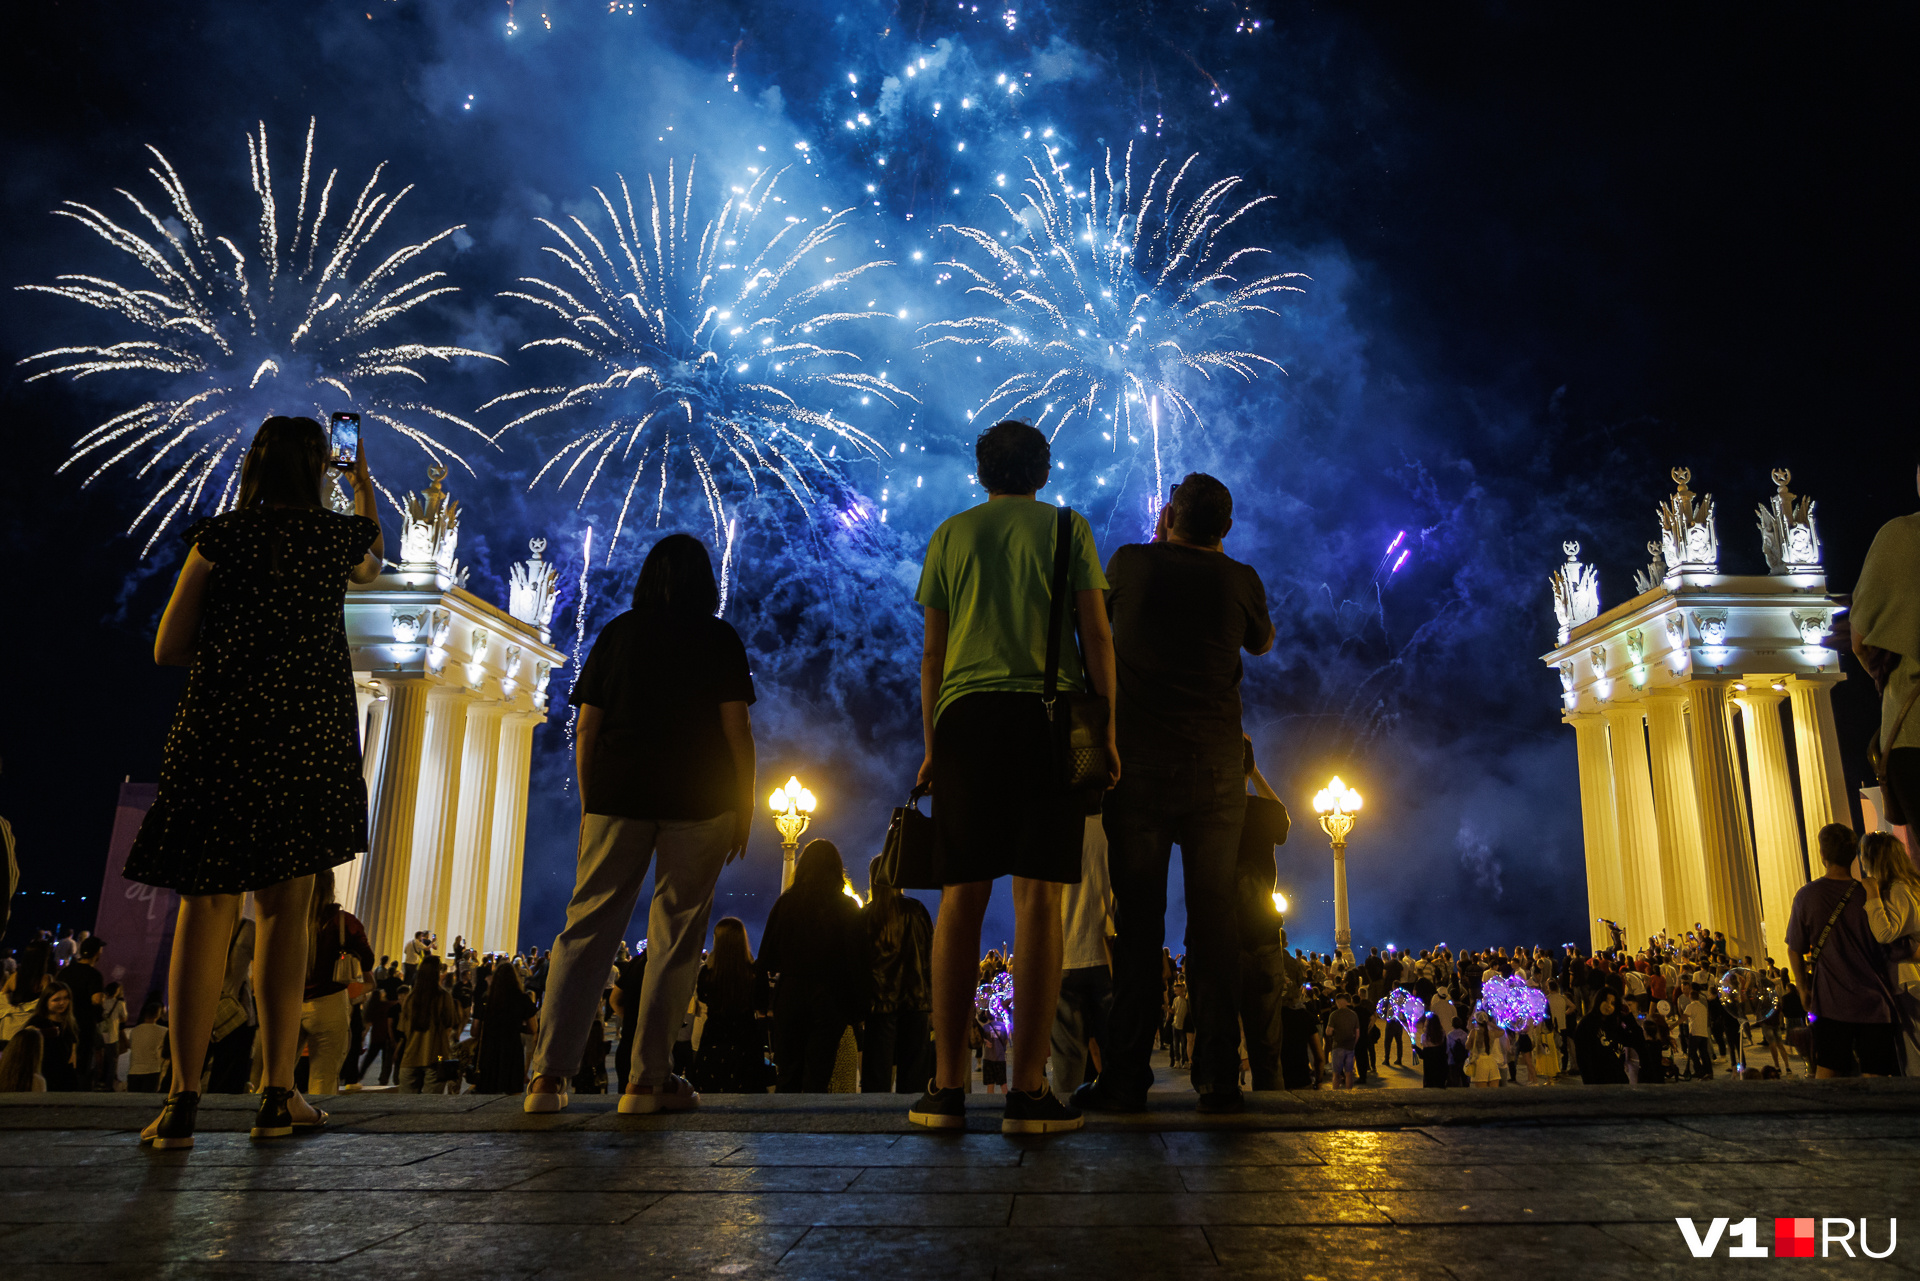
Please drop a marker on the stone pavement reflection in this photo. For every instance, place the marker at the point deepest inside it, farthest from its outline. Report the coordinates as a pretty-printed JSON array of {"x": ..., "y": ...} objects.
[{"x": 1456, "y": 1183}]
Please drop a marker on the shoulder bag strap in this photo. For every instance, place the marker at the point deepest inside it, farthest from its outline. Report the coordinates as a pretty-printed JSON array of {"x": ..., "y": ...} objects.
[
  {"x": 1056, "y": 625},
  {"x": 1820, "y": 944},
  {"x": 1892, "y": 736}
]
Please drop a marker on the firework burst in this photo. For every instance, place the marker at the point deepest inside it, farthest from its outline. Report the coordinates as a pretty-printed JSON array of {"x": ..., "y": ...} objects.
[
  {"x": 235, "y": 338},
  {"x": 1111, "y": 297},
  {"x": 706, "y": 347}
]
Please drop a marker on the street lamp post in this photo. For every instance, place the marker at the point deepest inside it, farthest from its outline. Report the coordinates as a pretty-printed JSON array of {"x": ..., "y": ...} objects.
[
  {"x": 792, "y": 806},
  {"x": 1337, "y": 804}
]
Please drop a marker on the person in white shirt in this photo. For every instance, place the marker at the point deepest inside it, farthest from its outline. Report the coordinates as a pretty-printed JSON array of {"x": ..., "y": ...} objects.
[
  {"x": 410, "y": 957},
  {"x": 1086, "y": 976},
  {"x": 1442, "y": 1007},
  {"x": 1699, "y": 1036},
  {"x": 147, "y": 1051}
]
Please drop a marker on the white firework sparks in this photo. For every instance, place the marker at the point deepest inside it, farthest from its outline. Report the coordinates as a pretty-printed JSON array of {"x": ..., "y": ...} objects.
[
  {"x": 288, "y": 330},
  {"x": 705, "y": 347},
  {"x": 1112, "y": 297}
]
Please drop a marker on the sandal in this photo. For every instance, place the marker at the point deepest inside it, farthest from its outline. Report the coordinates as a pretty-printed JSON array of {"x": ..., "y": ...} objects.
[
  {"x": 174, "y": 1127},
  {"x": 274, "y": 1120}
]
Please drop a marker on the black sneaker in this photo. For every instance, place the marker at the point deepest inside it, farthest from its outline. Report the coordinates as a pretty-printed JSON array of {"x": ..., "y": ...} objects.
[
  {"x": 1038, "y": 1113},
  {"x": 1096, "y": 1096},
  {"x": 939, "y": 1109},
  {"x": 1222, "y": 1102}
]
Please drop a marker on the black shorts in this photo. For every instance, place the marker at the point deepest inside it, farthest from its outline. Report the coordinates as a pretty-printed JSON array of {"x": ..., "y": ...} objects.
[
  {"x": 1836, "y": 1046},
  {"x": 998, "y": 809},
  {"x": 1901, "y": 796}
]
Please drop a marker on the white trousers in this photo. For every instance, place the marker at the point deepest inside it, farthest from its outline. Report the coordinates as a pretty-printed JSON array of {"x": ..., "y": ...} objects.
[
  {"x": 614, "y": 856},
  {"x": 325, "y": 1024}
]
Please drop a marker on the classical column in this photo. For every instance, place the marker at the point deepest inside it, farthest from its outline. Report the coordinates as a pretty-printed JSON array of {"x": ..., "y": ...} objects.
[
  {"x": 509, "y": 831},
  {"x": 1600, "y": 824},
  {"x": 431, "y": 876},
  {"x": 1733, "y": 896},
  {"x": 1776, "y": 831},
  {"x": 473, "y": 826},
  {"x": 381, "y": 903},
  {"x": 1683, "y": 866},
  {"x": 1823, "y": 785},
  {"x": 1639, "y": 835},
  {"x": 373, "y": 721}
]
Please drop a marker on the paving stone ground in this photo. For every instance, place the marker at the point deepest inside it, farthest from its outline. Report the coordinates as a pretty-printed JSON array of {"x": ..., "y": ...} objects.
[{"x": 1507, "y": 1184}]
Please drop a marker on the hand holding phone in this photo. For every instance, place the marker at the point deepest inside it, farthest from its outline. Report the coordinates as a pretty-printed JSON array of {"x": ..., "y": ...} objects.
[{"x": 343, "y": 443}]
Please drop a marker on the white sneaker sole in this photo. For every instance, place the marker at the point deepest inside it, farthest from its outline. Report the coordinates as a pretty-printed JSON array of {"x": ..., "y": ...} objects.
[
  {"x": 1010, "y": 1126},
  {"x": 544, "y": 1103},
  {"x": 649, "y": 1104},
  {"x": 937, "y": 1120}
]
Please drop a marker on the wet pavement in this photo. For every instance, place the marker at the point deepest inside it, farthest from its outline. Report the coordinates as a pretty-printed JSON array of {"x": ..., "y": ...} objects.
[{"x": 1509, "y": 1183}]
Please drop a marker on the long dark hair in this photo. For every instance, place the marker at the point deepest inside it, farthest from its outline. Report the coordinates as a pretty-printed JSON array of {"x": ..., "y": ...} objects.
[
  {"x": 421, "y": 1010},
  {"x": 284, "y": 465},
  {"x": 820, "y": 872},
  {"x": 730, "y": 964},
  {"x": 503, "y": 987},
  {"x": 21, "y": 1062},
  {"x": 677, "y": 576},
  {"x": 32, "y": 974}
]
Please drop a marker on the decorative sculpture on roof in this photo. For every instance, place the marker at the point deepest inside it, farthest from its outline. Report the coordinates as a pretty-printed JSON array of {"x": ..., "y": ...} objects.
[
  {"x": 432, "y": 529},
  {"x": 1787, "y": 535},
  {"x": 533, "y": 584},
  {"x": 1654, "y": 574},
  {"x": 1576, "y": 592},
  {"x": 1687, "y": 538}
]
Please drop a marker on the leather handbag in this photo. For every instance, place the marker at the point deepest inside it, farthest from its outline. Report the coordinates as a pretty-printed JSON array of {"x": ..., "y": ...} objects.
[
  {"x": 906, "y": 860},
  {"x": 1078, "y": 721}
]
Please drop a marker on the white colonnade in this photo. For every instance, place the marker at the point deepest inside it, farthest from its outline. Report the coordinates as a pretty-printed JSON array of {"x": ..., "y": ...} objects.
[
  {"x": 1686, "y": 821},
  {"x": 451, "y": 689}
]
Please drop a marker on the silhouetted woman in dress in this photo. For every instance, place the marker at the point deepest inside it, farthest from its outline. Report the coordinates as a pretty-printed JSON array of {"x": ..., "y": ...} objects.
[{"x": 260, "y": 783}]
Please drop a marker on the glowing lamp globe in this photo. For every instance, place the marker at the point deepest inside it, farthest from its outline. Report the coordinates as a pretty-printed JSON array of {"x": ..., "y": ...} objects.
[
  {"x": 791, "y": 799},
  {"x": 1279, "y": 902},
  {"x": 1336, "y": 798}
]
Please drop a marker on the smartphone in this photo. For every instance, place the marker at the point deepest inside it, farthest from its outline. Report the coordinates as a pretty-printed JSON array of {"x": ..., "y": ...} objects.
[{"x": 343, "y": 440}]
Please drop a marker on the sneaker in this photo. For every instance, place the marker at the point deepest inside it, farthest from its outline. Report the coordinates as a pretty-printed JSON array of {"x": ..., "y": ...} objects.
[
  {"x": 676, "y": 1094},
  {"x": 554, "y": 1101},
  {"x": 1038, "y": 1113},
  {"x": 940, "y": 1109},
  {"x": 1096, "y": 1096},
  {"x": 1222, "y": 1102}
]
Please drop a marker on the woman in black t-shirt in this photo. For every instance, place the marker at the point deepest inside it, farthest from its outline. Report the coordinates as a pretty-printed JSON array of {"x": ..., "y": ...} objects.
[{"x": 664, "y": 749}]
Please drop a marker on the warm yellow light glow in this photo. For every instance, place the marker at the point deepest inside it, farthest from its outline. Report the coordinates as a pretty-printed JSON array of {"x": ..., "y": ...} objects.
[
  {"x": 1336, "y": 798},
  {"x": 791, "y": 799},
  {"x": 1279, "y": 902},
  {"x": 846, "y": 888}
]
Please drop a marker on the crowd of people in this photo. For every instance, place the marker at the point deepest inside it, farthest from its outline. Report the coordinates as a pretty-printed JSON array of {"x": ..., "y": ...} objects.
[{"x": 1079, "y": 722}]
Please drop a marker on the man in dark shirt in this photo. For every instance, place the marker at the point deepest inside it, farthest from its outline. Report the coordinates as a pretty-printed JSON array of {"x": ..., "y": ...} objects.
[
  {"x": 83, "y": 978},
  {"x": 1843, "y": 985},
  {"x": 1182, "y": 612}
]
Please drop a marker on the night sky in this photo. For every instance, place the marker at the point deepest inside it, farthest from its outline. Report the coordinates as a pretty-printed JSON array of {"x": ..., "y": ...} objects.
[{"x": 1551, "y": 255}]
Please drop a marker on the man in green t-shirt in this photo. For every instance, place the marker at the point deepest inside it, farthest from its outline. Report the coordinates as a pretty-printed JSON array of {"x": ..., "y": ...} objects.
[{"x": 998, "y": 806}]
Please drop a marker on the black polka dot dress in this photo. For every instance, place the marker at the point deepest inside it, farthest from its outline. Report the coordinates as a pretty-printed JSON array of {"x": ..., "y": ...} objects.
[{"x": 260, "y": 779}]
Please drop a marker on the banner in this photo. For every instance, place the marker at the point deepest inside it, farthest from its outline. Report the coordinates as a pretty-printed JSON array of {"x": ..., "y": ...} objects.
[{"x": 135, "y": 920}]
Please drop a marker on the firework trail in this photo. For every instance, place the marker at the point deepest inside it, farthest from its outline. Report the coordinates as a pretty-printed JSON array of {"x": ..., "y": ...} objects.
[
  {"x": 236, "y": 338},
  {"x": 1112, "y": 296},
  {"x": 704, "y": 345}
]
